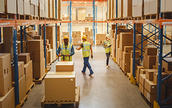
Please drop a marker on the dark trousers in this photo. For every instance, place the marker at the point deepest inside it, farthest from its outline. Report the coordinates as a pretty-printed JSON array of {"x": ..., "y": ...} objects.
[
  {"x": 107, "y": 58},
  {"x": 87, "y": 64}
]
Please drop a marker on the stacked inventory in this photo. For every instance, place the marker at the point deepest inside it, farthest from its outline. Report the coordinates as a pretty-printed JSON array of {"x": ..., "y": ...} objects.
[
  {"x": 89, "y": 34},
  {"x": 6, "y": 89},
  {"x": 100, "y": 39},
  {"x": 28, "y": 69},
  {"x": 36, "y": 50},
  {"x": 76, "y": 37},
  {"x": 64, "y": 78}
]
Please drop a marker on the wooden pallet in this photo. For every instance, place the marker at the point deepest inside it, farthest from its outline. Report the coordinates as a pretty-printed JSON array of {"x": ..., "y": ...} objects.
[
  {"x": 30, "y": 88},
  {"x": 23, "y": 100},
  {"x": 151, "y": 16},
  {"x": 39, "y": 81},
  {"x": 7, "y": 16},
  {"x": 167, "y": 15},
  {"x": 75, "y": 103}
]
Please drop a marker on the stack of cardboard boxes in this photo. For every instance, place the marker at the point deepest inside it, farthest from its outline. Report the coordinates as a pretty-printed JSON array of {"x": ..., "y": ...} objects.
[
  {"x": 65, "y": 80},
  {"x": 25, "y": 64},
  {"x": 36, "y": 50},
  {"x": 7, "y": 95},
  {"x": 76, "y": 37},
  {"x": 100, "y": 39},
  {"x": 89, "y": 34},
  {"x": 50, "y": 35},
  {"x": 49, "y": 54}
]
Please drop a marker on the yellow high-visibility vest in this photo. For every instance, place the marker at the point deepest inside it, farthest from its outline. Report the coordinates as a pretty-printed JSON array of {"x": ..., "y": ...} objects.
[
  {"x": 107, "y": 46},
  {"x": 86, "y": 49},
  {"x": 66, "y": 51}
]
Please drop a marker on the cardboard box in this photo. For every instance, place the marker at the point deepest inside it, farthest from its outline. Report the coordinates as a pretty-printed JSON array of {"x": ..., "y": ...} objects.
[
  {"x": 149, "y": 61},
  {"x": 8, "y": 101},
  {"x": 142, "y": 79},
  {"x": 20, "y": 7},
  {"x": 141, "y": 88},
  {"x": 150, "y": 86},
  {"x": 143, "y": 71},
  {"x": 151, "y": 51},
  {"x": 150, "y": 97},
  {"x": 167, "y": 66},
  {"x": 22, "y": 88},
  {"x": 5, "y": 73},
  {"x": 64, "y": 66},
  {"x": 21, "y": 69},
  {"x": 127, "y": 11},
  {"x": 64, "y": 89},
  {"x": 28, "y": 74},
  {"x": 138, "y": 73},
  {"x": 126, "y": 62},
  {"x": 128, "y": 49},
  {"x": 24, "y": 57},
  {"x": 27, "y": 7},
  {"x": 150, "y": 74},
  {"x": 2, "y": 6},
  {"x": 11, "y": 6},
  {"x": 36, "y": 50},
  {"x": 155, "y": 77},
  {"x": 126, "y": 39}
]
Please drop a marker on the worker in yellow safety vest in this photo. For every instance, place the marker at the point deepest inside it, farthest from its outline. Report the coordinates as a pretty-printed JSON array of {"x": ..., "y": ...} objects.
[
  {"x": 66, "y": 50},
  {"x": 107, "y": 45},
  {"x": 86, "y": 49}
]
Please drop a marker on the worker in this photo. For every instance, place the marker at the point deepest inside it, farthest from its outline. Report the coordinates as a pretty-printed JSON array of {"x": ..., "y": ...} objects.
[
  {"x": 86, "y": 49},
  {"x": 66, "y": 50},
  {"x": 107, "y": 46}
]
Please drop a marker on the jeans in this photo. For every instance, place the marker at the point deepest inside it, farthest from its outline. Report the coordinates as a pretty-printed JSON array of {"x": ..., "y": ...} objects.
[
  {"x": 107, "y": 58},
  {"x": 87, "y": 64}
]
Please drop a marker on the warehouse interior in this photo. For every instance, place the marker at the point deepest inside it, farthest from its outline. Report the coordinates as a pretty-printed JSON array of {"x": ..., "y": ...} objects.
[{"x": 85, "y": 54}]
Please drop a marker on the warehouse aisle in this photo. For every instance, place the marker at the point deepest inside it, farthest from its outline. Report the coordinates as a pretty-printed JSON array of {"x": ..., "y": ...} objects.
[{"x": 108, "y": 89}]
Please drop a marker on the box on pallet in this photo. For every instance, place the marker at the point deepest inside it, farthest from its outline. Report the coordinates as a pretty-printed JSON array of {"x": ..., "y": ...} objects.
[
  {"x": 138, "y": 73},
  {"x": 150, "y": 74},
  {"x": 20, "y": 70},
  {"x": 127, "y": 11},
  {"x": 25, "y": 57},
  {"x": 8, "y": 101},
  {"x": 22, "y": 88},
  {"x": 64, "y": 66},
  {"x": 28, "y": 74},
  {"x": 64, "y": 89},
  {"x": 35, "y": 48},
  {"x": 5, "y": 73}
]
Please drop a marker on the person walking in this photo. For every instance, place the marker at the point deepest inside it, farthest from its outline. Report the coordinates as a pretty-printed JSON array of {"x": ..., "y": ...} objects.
[
  {"x": 66, "y": 50},
  {"x": 107, "y": 45},
  {"x": 86, "y": 49}
]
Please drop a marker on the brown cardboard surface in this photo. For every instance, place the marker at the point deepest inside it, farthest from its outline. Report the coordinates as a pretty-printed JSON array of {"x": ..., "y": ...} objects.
[
  {"x": 28, "y": 74},
  {"x": 141, "y": 88},
  {"x": 167, "y": 66},
  {"x": 150, "y": 86},
  {"x": 22, "y": 88},
  {"x": 155, "y": 77},
  {"x": 8, "y": 101},
  {"x": 138, "y": 73},
  {"x": 149, "y": 61},
  {"x": 126, "y": 39},
  {"x": 64, "y": 89},
  {"x": 5, "y": 73},
  {"x": 149, "y": 97},
  {"x": 126, "y": 62},
  {"x": 150, "y": 74},
  {"x": 64, "y": 66},
  {"x": 142, "y": 79},
  {"x": 21, "y": 69},
  {"x": 151, "y": 51},
  {"x": 128, "y": 49}
]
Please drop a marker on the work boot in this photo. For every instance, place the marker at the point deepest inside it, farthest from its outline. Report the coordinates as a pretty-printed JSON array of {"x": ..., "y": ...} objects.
[{"x": 91, "y": 75}]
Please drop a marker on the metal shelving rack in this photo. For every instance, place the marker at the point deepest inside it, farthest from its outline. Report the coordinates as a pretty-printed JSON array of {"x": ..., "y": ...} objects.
[{"x": 158, "y": 31}]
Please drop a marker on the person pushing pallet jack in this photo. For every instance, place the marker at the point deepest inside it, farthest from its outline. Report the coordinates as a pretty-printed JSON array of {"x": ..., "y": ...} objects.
[{"x": 65, "y": 50}]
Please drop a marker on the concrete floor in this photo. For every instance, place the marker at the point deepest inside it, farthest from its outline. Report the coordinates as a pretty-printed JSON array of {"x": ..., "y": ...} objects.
[{"x": 110, "y": 88}]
